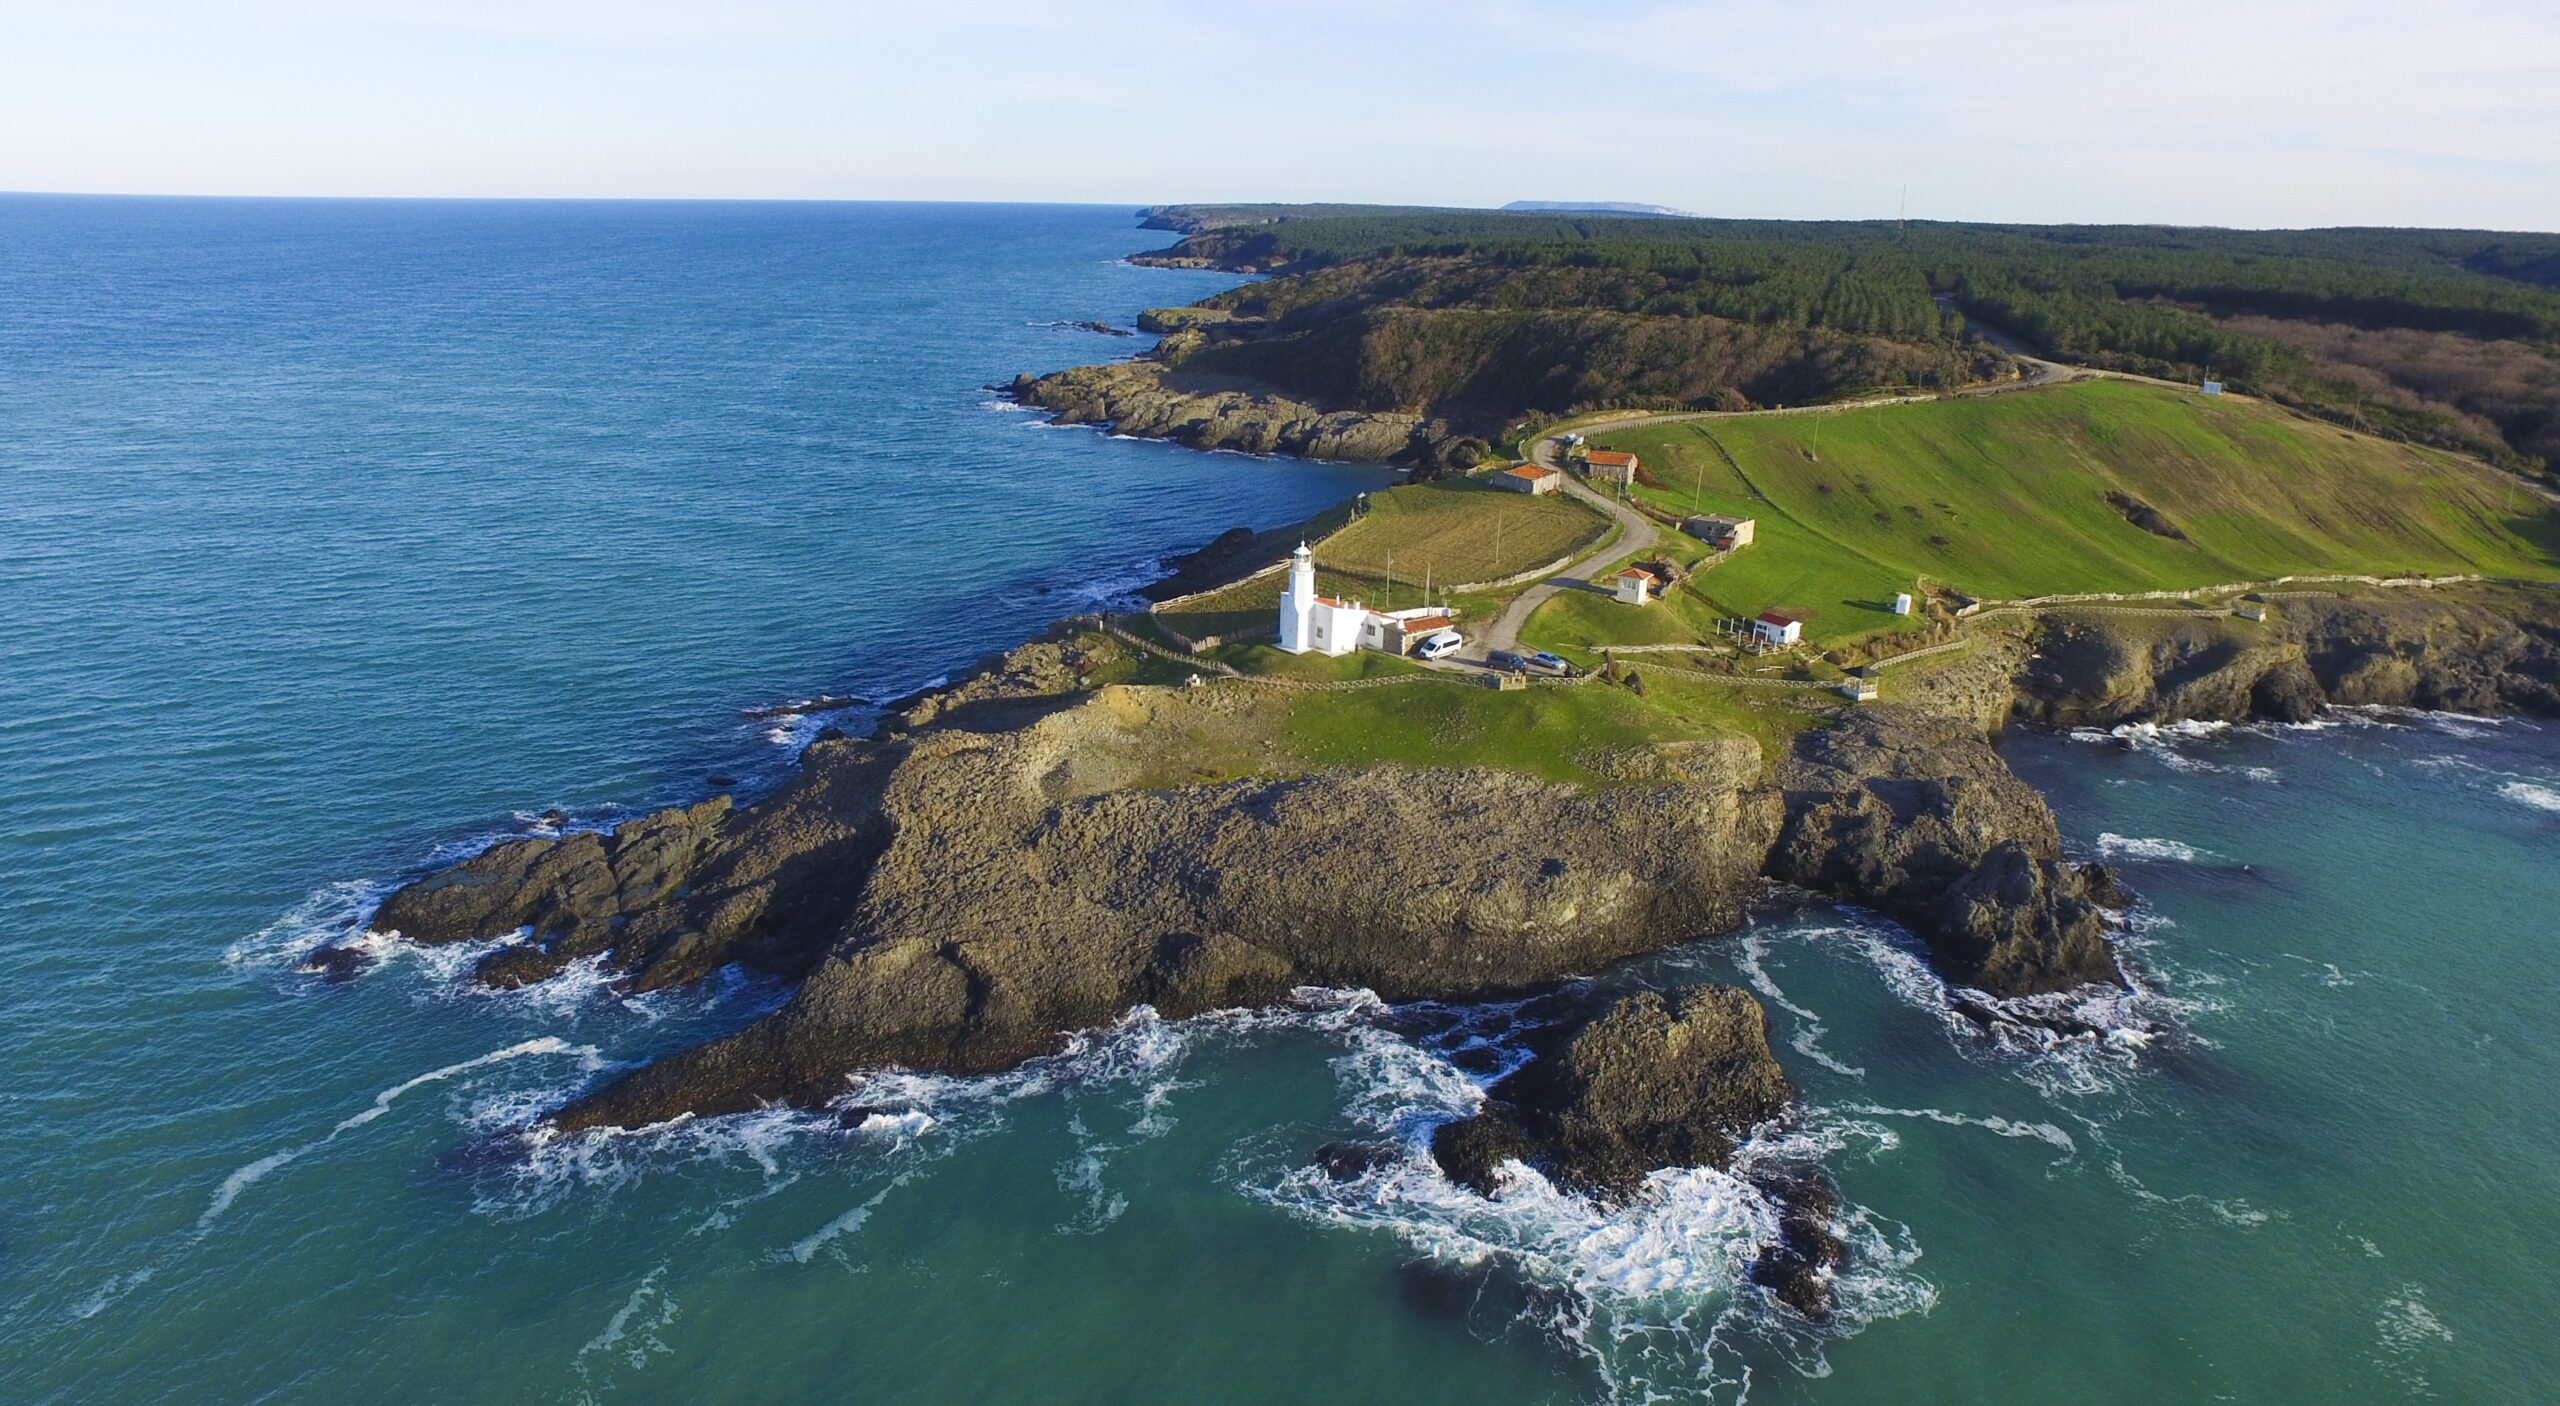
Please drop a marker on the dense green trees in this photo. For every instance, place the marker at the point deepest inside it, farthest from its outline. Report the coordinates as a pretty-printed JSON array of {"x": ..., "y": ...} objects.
[{"x": 2264, "y": 310}]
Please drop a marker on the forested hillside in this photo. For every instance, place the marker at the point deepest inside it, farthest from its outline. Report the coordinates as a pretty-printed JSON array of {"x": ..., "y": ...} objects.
[{"x": 2448, "y": 338}]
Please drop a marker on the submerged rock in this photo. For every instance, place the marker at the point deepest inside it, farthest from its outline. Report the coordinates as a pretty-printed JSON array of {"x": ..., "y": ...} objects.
[
  {"x": 337, "y": 962},
  {"x": 1801, "y": 1266}
]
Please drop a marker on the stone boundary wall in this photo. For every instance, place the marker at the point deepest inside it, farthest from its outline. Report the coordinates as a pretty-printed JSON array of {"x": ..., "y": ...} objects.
[
  {"x": 1532, "y": 574},
  {"x": 1909, "y": 655},
  {"x": 2034, "y": 602}
]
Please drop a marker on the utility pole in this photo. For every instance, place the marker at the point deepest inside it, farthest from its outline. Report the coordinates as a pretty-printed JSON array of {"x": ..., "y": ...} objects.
[{"x": 1902, "y": 217}]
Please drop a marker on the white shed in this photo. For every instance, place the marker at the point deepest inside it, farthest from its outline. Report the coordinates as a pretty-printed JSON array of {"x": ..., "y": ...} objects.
[
  {"x": 1636, "y": 586},
  {"x": 1772, "y": 628}
]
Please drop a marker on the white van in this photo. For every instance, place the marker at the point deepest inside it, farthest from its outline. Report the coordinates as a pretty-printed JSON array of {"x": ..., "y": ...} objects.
[{"x": 1440, "y": 645}]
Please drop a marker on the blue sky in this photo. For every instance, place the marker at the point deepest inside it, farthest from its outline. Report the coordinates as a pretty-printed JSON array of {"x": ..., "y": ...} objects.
[{"x": 2276, "y": 113}]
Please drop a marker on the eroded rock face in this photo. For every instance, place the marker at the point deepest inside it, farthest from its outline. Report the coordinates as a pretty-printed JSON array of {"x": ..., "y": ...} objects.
[
  {"x": 1015, "y": 857},
  {"x": 1001, "y": 915},
  {"x": 2020, "y": 925},
  {"x": 2465, "y": 649},
  {"x": 1904, "y": 811},
  {"x": 1148, "y": 399}
]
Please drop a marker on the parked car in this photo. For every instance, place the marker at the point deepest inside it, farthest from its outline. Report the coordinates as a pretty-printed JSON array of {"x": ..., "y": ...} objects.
[
  {"x": 1440, "y": 645},
  {"x": 1546, "y": 663},
  {"x": 1506, "y": 661}
]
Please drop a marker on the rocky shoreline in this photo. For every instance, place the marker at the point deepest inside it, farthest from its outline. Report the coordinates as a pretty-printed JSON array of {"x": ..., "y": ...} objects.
[
  {"x": 1020, "y": 855},
  {"x": 1153, "y": 401}
]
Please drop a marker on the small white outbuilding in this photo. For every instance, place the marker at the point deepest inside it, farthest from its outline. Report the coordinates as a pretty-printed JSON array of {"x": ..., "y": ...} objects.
[{"x": 1772, "y": 628}]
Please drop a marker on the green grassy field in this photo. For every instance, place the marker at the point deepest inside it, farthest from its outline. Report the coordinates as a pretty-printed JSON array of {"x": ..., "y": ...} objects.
[
  {"x": 1448, "y": 532},
  {"x": 2007, "y": 496},
  {"x": 1458, "y": 531},
  {"x": 1552, "y": 732}
]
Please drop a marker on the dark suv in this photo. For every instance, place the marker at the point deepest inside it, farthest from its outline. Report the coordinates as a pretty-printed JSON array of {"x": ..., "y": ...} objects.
[{"x": 1506, "y": 661}]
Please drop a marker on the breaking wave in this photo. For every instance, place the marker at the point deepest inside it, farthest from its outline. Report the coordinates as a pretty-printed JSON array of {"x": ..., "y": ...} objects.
[
  {"x": 2158, "y": 741},
  {"x": 2115, "y": 846},
  {"x": 2065, "y": 1043},
  {"x": 1654, "y": 1294},
  {"x": 2526, "y": 793}
]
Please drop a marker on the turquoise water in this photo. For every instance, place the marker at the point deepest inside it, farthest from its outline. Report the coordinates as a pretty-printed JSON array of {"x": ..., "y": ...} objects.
[{"x": 339, "y": 537}]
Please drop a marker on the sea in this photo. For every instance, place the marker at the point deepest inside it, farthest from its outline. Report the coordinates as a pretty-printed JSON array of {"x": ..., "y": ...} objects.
[{"x": 339, "y": 539}]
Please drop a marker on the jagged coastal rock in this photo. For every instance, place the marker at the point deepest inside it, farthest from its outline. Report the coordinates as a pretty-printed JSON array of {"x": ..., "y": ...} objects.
[
  {"x": 1015, "y": 857},
  {"x": 1915, "y": 814},
  {"x": 1154, "y": 401},
  {"x": 1660, "y": 1079},
  {"x": 2464, "y": 649},
  {"x": 1674, "y": 1078}
]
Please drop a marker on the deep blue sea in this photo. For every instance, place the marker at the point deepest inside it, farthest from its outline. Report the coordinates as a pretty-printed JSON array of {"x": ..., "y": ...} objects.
[{"x": 337, "y": 538}]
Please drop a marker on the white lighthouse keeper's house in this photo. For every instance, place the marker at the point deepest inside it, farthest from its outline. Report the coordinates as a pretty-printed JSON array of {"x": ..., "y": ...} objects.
[{"x": 1314, "y": 624}]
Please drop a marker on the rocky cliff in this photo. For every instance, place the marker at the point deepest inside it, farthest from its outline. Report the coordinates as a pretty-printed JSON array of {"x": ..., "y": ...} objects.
[
  {"x": 1915, "y": 814},
  {"x": 1153, "y": 401},
  {"x": 1018, "y": 857},
  {"x": 2468, "y": 649}
]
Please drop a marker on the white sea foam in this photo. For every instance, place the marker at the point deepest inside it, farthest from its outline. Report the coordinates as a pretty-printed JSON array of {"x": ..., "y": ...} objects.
[
  {"x": 1655, "y": 1292},
  {"x": 2005, "y": 1127},
  {"x": 2405, "y": 1330},
  {"x": 632, "y": 1333},
  {"x": 244, "y": 1177},
  {"x": 96, "y": 1300},
  {"x": 2102, "y": 1031},
  {"x": 1807, "y": 1035},
  {"x": 326, "y": 914},
  {"x": 2159, "y": 741},
  {"x": 2527, "y": 793},
  {"x": 2115, "y": 846},
  {"x": 806, "y": 1248},
  {"x": 906, "y": 1117}
]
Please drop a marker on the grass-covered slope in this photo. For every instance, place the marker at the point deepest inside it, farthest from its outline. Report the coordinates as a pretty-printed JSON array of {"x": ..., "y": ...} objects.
[{"x": 2028, "y": 494}]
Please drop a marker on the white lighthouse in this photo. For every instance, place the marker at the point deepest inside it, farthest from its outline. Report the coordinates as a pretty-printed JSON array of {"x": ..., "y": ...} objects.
[{"x": 1314, "y": 624}]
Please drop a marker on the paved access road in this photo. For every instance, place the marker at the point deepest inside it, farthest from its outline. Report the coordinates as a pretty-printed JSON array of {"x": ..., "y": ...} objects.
[{"x": 1636, "y": 533}]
